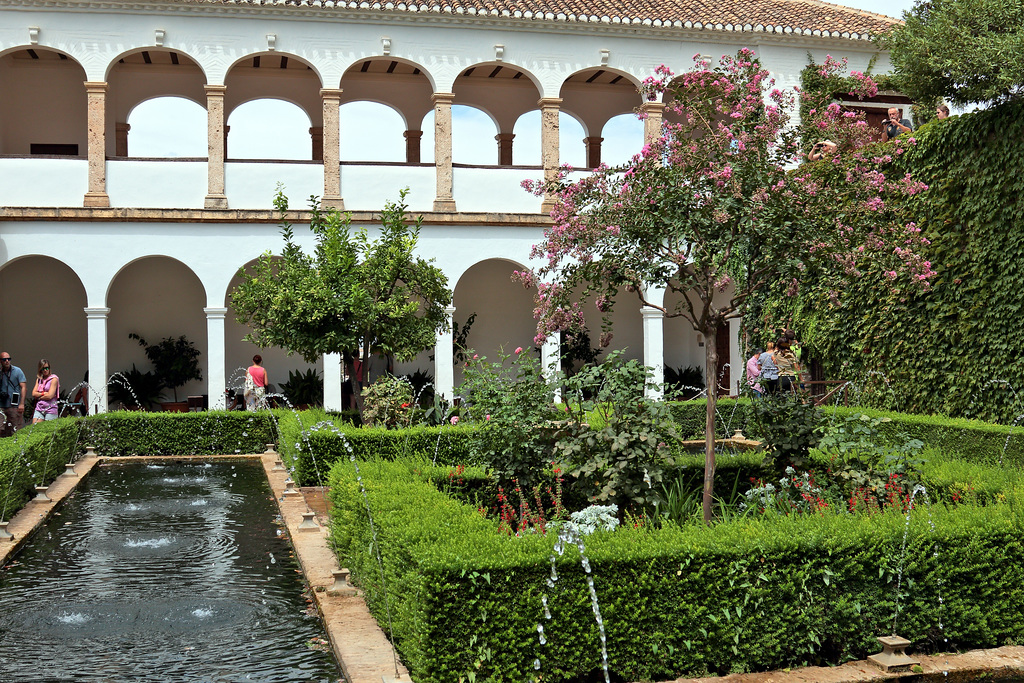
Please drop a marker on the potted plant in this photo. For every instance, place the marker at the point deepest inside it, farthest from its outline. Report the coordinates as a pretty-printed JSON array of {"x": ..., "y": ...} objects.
[
  {"x": 303, "y": 389},
  {"x": 175, "y": 362},
  {"x": 135, "y": 390}
]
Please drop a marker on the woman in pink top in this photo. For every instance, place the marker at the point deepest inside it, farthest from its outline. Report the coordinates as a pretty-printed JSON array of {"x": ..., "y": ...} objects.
[
  {"x": 255, "y": 384},
  {"x": 46, "y": 393}
]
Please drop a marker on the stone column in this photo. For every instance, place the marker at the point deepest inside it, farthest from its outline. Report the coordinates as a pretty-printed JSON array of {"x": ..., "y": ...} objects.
[
  {"x": 316, "y": 137},
  {"x": 737, "y": 363},
  {"x": 331, "y": 98},
  {"x": 96, "y": 97},
  {"x": 593, "y": 151},
  {"x": 412, "y": 146},
  {"x": 652, "y": 123},
  {"x": 96, "y": 339},
  {"x": 445, "y": 200},
  {"x": 444, "y": 359},
  {"x": 654, "y": 347},
  {"x": 216, "y": 144},
  {"x": 216, "y": 381},
  {"x": 332, "y": 381},
  {"x": 505, "y": 148},
  {"x": 549, "y": 108},
  {"x": 551, "y": 361},
  {"x": 121, "y": 139}
]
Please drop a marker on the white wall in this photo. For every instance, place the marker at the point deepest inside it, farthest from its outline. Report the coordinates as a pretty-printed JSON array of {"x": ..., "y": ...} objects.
[
  {"x": 157, "y": 184},
  {"x": 43, "y": 182}
]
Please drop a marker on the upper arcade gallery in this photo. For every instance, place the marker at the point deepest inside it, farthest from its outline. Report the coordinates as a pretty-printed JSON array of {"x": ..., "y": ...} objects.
[{"x": 51, "y": 108}]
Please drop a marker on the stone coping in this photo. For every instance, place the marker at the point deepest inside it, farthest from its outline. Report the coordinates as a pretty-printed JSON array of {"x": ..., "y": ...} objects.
[
  {"x": 133, "y": 215},
  {"x": 363, "y": 650}
]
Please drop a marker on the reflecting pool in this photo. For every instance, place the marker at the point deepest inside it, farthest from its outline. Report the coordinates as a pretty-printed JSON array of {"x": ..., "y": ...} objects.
[{"x": 170, "y": 572}]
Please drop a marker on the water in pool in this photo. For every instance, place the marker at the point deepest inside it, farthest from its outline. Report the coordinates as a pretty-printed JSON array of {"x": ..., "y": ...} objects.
[{"x": 169, "y": 572}]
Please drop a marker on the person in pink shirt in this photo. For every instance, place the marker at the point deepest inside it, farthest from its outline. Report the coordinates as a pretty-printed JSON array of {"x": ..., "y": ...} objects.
[
  {"x": 46, "y": 393},
  {"x": 754, "y": 373},
  {"x": 255, "y": 384}
]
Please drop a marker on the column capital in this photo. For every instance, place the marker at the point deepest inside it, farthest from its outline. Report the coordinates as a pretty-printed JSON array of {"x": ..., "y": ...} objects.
[
  {"x": 215, "y": 90},
  {"x": 93, "y": 87},
  {"x": 652, "y": 107},
  {"x": 214, "y": 312},
  {"x": 331, "y": 93},
  {"x": 650, "y": 313},
  {"x": 96, "y": 312},
  {"x": 505, "y": 137},
  {"x": 549, "y": 102},
  {"x": 449, "y": 311},
  {"x": 442, "y": 98}
]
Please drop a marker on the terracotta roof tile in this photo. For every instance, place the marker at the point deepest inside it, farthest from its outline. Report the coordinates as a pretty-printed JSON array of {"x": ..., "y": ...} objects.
[{"x": 810, "y": 17}]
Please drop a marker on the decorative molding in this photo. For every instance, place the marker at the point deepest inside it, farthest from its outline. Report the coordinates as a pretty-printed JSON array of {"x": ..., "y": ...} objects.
[
  {"x": 271, "y": 41},
  {"x": 385, "y": 44},
  {"x": 158, "y": 37},
  {"x": 499, "y": 52},
  {"x": 33, "y": 35},
  {"x": 605, "y": 54}
]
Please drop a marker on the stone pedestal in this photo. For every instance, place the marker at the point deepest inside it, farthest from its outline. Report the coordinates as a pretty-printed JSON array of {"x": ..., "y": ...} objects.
[{"x": 892, "y": 658}]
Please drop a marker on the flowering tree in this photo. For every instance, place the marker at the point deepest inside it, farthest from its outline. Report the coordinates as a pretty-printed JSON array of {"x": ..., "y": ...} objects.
[{"x": 710, "y": 212}]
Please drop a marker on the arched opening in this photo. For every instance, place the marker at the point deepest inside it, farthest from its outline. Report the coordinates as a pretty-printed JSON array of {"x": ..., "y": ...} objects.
[
  {"x": 405, "y": 88},
  {"x": 168, "y": 127},
  {"x": 269, "y": 129},
  {"x": 43, "y": 108},
  {"x": 156, "y": 297},
  {"x": 596, "y": 96},
  {"x": 43, "y": 316},
  {"x": 506, "y": 93},
  {"x": 238, "y": 353},
  {"x": 623, "y": 138},
  {"x": 151, "y": 75},
  {"x": 273, "y": 109},
  {"x": 503, "y": 309},
  {"x": 371, "y": 131}
]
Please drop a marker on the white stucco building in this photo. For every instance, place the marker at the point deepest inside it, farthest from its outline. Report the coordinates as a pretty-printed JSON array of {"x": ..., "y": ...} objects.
[{"x": 97, "y": 242}]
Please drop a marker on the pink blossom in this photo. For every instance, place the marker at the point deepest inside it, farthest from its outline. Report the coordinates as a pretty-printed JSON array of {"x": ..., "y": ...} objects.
[
  {"x": 519, "y": 349},
  {"x": 455, "y": 419}
]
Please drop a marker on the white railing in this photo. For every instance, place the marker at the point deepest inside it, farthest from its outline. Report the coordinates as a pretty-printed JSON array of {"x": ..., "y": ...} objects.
[
  {"x": 495, "y": 190},
  {"x": 367, "y": 187},
  {"x": 156, "y": 183},
  {"x": 43, "y": 181},
  {"x": 253, "y": 184}
]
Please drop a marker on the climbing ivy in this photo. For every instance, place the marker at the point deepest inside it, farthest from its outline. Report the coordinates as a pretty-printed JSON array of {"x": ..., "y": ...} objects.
[{"x": 957, "y": 348}]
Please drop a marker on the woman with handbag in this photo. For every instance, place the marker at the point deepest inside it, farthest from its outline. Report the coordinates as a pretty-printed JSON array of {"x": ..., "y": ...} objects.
[{"x": 255, "y": 385}]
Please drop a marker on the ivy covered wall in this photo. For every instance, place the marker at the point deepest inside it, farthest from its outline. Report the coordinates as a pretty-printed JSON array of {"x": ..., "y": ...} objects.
[{"x": 957, "y": 348}]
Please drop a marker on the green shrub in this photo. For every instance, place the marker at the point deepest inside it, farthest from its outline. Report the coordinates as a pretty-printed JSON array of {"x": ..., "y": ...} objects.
[
  {"x": 202, "y": 433},
  {"x": 757, "y": 593},
  {"x": 35, "y": 456},
  {"x": 314, "y": 444}
]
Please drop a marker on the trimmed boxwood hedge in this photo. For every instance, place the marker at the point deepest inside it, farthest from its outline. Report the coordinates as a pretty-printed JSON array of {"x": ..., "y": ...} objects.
[
  {"x": 969, "y": 439},
  {"x": 753, "y": 594},
  {"x": 123, "y": 433},
  {"x": 312, "y": 448},
  {"x": 35, "y": 456}
]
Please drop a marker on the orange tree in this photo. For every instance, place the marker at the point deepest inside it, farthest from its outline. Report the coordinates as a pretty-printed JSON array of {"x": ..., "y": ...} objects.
[{"x": 711, "y": 211}]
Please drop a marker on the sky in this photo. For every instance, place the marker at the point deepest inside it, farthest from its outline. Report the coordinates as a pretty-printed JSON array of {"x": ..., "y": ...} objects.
[
  {"x": 892, "y": 8},
  {"x": 272, "y": 129}
]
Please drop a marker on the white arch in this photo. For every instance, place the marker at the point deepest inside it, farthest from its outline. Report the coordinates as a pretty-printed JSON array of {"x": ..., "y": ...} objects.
[
  {"x": 168, "y": 126},
  {"x": 262, "y": 130}
]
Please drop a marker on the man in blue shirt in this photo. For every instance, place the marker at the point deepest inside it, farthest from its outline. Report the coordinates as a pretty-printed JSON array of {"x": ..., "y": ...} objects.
[{"x": 12, "y": 395}]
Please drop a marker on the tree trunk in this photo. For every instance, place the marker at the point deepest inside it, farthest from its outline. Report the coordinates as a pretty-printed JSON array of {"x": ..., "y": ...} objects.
[{"x": 711, "y": 374}]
